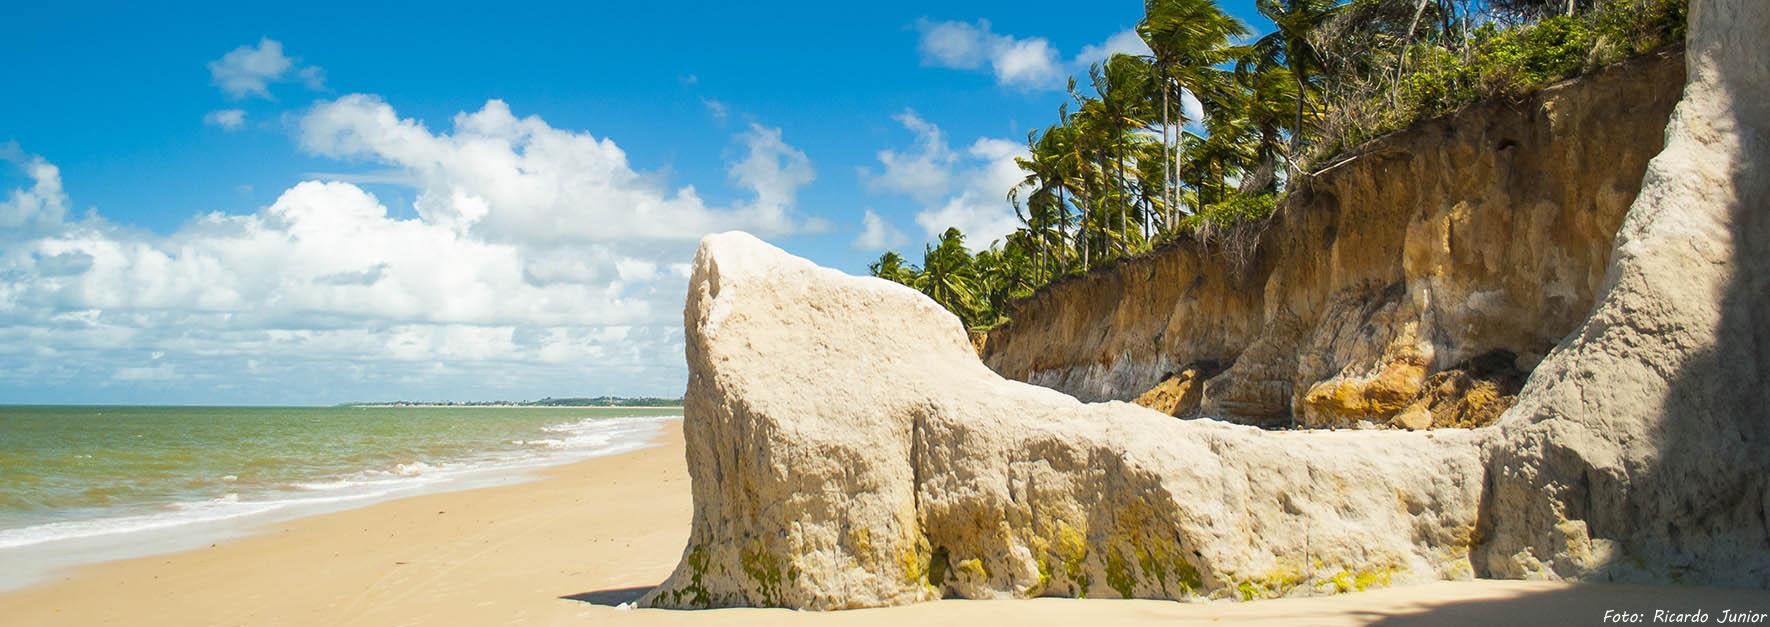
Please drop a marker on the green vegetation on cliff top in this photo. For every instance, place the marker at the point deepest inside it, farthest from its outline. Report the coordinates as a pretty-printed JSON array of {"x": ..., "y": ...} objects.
[{"x": 1124, "y": 169}]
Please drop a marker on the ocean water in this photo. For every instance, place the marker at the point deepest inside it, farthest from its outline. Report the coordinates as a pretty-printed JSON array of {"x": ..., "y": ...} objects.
[{"x": 83, "y": 483}]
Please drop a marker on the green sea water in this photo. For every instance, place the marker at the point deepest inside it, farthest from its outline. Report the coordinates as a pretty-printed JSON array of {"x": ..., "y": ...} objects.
[{"x": 76, "y": 472}]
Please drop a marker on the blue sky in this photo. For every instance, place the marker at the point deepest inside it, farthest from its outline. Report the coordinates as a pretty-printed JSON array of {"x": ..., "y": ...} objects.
[{"x": 318, "y": 204}]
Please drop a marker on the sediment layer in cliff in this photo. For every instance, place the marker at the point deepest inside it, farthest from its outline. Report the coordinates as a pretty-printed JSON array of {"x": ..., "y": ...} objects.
[
  {"x": 848, "y": 449},
  {"x": 1415, "y": 282}
]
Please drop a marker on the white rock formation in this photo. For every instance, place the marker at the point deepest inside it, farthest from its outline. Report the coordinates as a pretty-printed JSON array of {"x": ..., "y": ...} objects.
[
  {"x": 848, "y": 449},
  {"x": 1640, "y": 448}
]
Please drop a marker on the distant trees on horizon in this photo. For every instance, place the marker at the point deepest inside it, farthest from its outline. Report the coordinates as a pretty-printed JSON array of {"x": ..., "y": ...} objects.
[{"x": 599, "y": 401}]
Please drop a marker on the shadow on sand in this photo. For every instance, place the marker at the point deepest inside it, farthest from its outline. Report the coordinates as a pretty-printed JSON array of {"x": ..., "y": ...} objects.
[
  {"x": 1583, "y": 605},
  {"x": 610, "y": 597}
]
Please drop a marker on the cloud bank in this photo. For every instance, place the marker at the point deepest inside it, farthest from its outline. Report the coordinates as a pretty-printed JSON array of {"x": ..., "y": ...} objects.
[{"x": 534, "y": 259}]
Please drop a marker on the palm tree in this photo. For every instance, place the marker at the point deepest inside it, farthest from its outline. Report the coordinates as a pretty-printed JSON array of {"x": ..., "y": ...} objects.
[
  {"x": 1152, "y": 162},
  {"x": 1077, "y": 168},
  {"x": 1003, "y": 275},
  {"x": 948, "y": 275},
  {"x": 891, "y": 267},
  {"x": 1057, "y": 147},
  {"x": 1120, "y": 108},
  {"x": 1270, "y": 95},
  {"x": 1224, "y": 151},
  {"x": 1289, "y": 44},
  {"x": 1042, "y": 190},
  {"x": 1187, "y": 38}
]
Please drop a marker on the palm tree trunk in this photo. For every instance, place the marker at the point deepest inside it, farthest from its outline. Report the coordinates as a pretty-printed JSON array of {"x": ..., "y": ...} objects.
[
  {"x": 1062, "y": 218},
  {"x": 1167, "y": 169},
  {"x": 1145, "y": 206},
  {"x": 1297, "y": 131},
  {"x": 1144, "y": 201},
  {"x": 1039, "y": 237},
  {"x": 1179, "y": 147},
  {"x": 1222, "y": 183},
  {"x": 1401, "y": 59},
  {"x": 1082, "y": 229},
  {"x": 1045, "y": 250},
  {"x": 1124, "y": 212}
]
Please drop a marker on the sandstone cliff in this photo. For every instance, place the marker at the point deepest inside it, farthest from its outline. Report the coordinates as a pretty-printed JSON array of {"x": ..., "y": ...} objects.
[
  {"x": 1416, "y": 282},
  {"x": 848, "y": 449},
  {"x": 1640, "y": 449}
]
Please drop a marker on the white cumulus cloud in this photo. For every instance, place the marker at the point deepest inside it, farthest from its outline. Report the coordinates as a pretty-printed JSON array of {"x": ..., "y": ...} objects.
[
  {"x": 1123, "y": 42},
  {"x": 774, "y": 171},
  {"x": 313, "y": 77},
  {"x": 980, "y": 208},
  {"x": 43, "y": 204},
  {"x": 1029, "y": 62},
  {"x": 877, "y": 234},
  {"x": 249, "y": 70},
  {"x": 1019, "y": 62},
  {"x": 549, "y": 184},
  {"x": 924, "y": 173},
  {"x": 968, "y": 190},
  {"x": 228, "y": 119}
]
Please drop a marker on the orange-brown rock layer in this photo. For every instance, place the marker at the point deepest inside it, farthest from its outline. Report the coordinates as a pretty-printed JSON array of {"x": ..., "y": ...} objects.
[
  {"x": 1383, "y": 275},
  {"x": 1179, "y": 394}
]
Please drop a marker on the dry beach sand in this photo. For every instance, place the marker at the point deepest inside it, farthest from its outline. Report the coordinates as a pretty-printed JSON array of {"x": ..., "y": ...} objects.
[{"x": 588, "y": 536}]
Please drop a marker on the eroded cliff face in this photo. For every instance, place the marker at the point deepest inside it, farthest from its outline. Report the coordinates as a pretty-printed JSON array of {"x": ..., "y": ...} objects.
[
  {"x": 1415, "y": 283},
  {"x": 1640, "y": 449},
  {"x": 848, "y": 449}
]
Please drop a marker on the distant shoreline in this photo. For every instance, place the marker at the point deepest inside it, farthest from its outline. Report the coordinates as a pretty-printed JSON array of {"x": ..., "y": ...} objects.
[
  {"x": 630, "y": 402},
  {"x": 508, "y": 406}
]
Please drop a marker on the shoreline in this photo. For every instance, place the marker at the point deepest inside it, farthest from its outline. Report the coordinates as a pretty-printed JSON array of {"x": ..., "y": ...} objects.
[
  {"x": 43, "y": 552},
  {"x": 433, "y": 550},
  {"x": 586, "y": 536},
  {"x": 458, "y": 406}
]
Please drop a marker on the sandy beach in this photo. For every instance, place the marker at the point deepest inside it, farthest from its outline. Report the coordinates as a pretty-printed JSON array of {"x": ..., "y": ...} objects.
[{"x": 586, "y": 537}]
